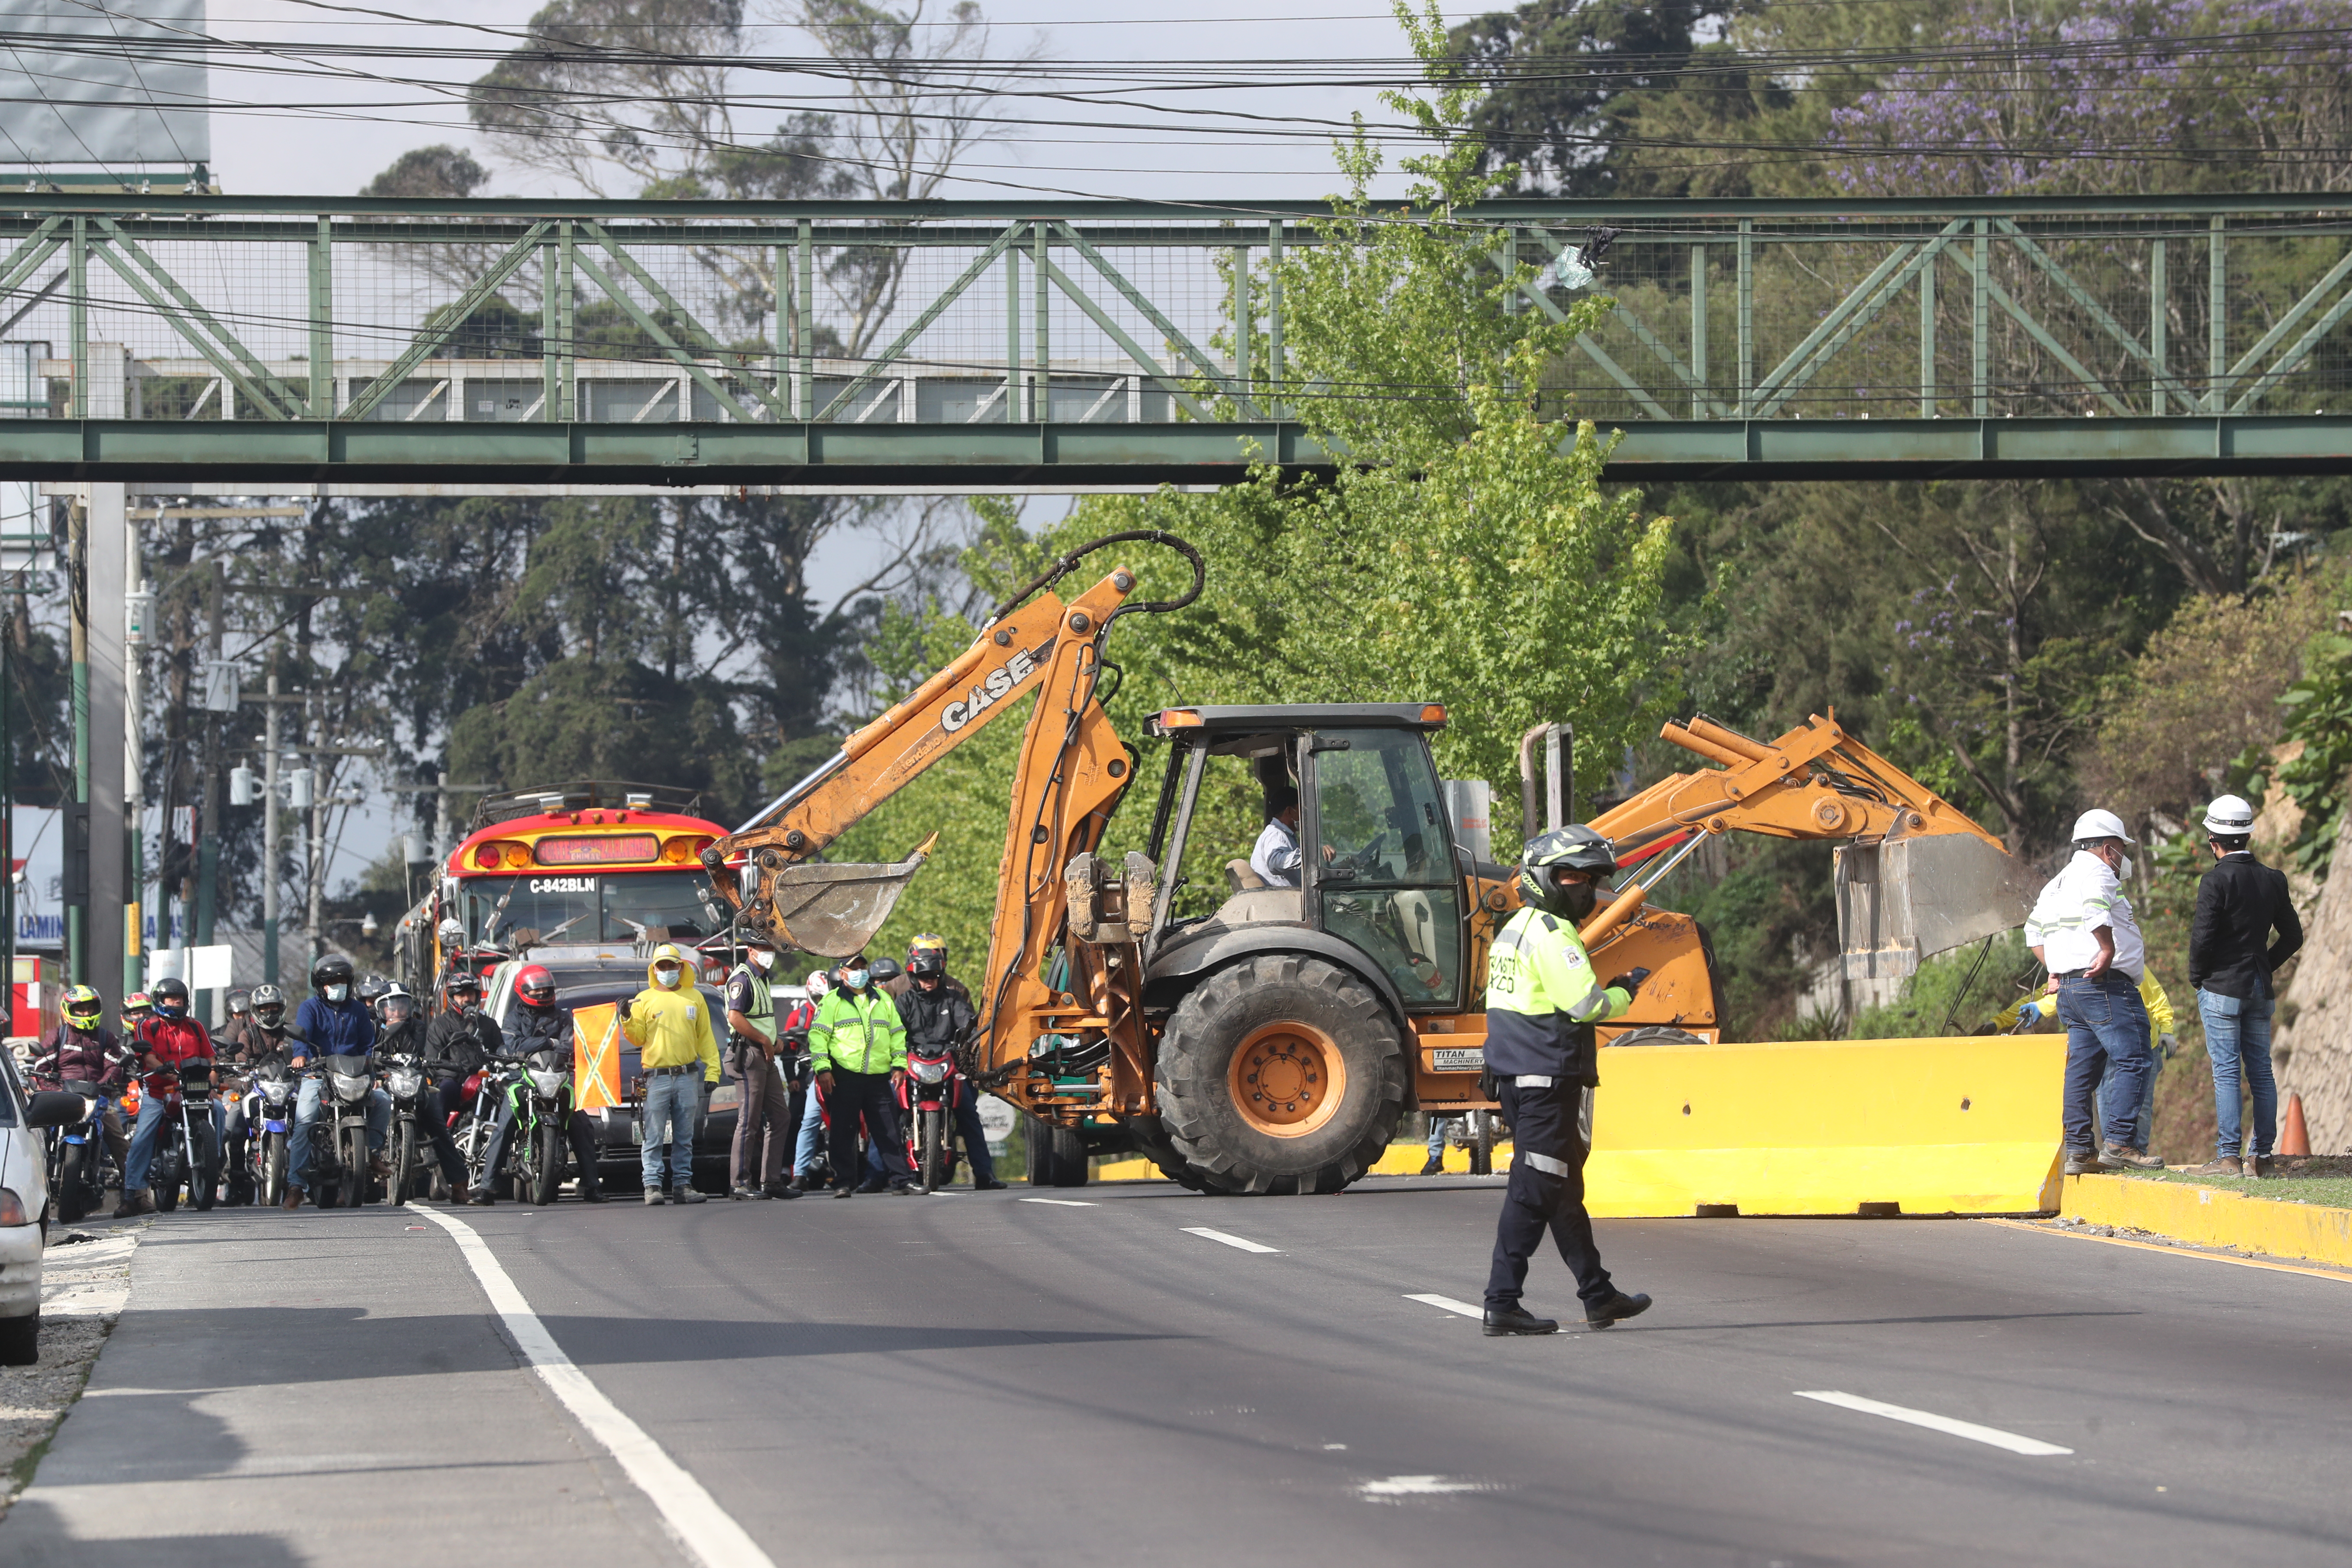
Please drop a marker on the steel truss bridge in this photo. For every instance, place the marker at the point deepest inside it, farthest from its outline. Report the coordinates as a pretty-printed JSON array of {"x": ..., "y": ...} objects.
[{"x": 211, "y": 342}]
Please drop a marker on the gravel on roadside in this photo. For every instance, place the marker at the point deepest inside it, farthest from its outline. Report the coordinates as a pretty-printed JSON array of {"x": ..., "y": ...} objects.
[{"x": 85, "y": 1280}]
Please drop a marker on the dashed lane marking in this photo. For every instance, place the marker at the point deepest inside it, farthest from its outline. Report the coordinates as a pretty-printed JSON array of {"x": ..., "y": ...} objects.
[
  {"x": 707, "y": 1531},
  {"x": 1949, "y": 1426},
  {"x": 1449, "y": 1304},
  {"x": 1058, "y": 1203},
  {"x": 1390, "y": 1487},
  {"x": 1242, "y": 1242}
]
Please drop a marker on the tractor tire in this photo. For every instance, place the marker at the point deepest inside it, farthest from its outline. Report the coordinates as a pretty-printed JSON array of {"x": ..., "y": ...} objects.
[
  {"x": 20, "y": 1339},
  {"x": 1282, "y": 1074},
  {"x": 1152, "y": 1140},
  {"x": 1058, "y": 1155}
]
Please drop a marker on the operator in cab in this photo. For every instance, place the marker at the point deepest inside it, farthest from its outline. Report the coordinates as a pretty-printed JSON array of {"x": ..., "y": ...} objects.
[
  {"x": 1275, "y": 858},
  {"x": 1542, "y": 1005}
]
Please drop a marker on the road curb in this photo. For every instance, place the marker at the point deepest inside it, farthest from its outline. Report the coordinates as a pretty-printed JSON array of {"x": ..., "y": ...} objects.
[{"x": 2214, "y": 1217}]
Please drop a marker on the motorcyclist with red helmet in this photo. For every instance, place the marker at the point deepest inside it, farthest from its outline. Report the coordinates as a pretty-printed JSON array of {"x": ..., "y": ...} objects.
[
  {"x": 537, "y": 1022},
  {"x": 167, "y": 1039}
]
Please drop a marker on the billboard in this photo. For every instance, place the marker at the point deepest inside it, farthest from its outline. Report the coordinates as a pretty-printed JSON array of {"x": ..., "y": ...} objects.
[{"x": 106, "y": 86}]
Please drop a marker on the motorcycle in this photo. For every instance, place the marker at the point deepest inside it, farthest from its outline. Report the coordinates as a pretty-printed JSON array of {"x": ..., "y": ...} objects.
[
  {"x": 79, "y": 1160},
  {"x": 414, "y": 1097},
  {"x": 539, "y": 1094},
  {"x": 1475, "y": 1132},
  {"x": 485, "y": 1092},
  {"x": 271, "y": 1095},
  {"x": 339, "y": 1162},
  {"x": 927, "y": 1098},
  {"x": 189, "y": 1153}
]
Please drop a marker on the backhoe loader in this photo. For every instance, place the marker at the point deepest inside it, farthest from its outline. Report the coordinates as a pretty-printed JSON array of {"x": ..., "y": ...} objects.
[{"x": 1257, "y": 1038}]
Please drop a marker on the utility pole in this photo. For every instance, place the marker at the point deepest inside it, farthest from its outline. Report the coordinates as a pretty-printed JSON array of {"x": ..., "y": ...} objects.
[
  {"x": 208, "y": 832},
  {"x": 77, "y": 816},
  {"x": 317, "y": 864},
  {"x": 107, "y": 953},
  {"x": 269, "y": 831},
  {"x": 134, "y": 760}
]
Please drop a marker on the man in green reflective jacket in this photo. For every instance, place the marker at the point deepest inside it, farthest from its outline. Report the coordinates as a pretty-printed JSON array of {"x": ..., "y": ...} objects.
[{"x": 857, "y": 1046}]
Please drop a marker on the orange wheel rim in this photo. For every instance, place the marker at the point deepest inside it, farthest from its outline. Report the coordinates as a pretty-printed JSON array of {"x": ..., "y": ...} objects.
[{"x": 1287, "y": 1079}]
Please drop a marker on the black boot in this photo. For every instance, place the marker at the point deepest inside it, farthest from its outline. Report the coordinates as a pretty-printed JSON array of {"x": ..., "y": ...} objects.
[
  {"x": 1518, "y": 1320},
  {"x": 1618, "y": 1305}
]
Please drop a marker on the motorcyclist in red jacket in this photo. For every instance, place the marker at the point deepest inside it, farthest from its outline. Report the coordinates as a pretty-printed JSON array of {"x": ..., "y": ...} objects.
[{"x": 169, "y": 1037}]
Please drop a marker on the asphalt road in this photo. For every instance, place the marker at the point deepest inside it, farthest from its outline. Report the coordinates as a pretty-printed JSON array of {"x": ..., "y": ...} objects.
[{"x": 977, "y": 1378}]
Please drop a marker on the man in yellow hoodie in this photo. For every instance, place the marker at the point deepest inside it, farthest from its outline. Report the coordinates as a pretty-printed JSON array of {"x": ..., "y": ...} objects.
[{"x": 670, "y": 1026}]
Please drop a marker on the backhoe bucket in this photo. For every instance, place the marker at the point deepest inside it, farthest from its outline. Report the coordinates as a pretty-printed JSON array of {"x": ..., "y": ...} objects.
[
  {"x": 834, "y": 910},
  {"x": 1906, "y": 900}
]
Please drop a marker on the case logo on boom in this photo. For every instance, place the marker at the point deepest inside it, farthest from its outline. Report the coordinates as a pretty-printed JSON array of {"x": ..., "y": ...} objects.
[{"x": 995, "y": 688}]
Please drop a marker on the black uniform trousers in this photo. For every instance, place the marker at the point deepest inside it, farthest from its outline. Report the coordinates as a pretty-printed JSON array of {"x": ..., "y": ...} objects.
[
  {"x": 1546, "y": 1192},
  {"x": 866, "y": 1096}
]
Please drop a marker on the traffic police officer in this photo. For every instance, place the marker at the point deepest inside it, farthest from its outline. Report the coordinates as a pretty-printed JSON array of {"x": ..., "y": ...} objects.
[
  {"x": 763, "y": 1106},
  {"x": 1542, "y": 1005}
]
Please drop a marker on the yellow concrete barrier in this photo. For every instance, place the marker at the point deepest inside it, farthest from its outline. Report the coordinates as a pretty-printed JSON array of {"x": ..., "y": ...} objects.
[
  {"x": 1944, "y": 1126},
  {"x": 2212, "y": 1216}
]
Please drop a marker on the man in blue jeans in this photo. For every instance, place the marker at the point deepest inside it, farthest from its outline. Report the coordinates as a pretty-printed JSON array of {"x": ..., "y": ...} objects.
[
  {"x": 332, "y": 1022},
  {"x": 2232, "y": 958},
  {"x": 670, "y": 1024},
  {"x": 2084, "y": 932}
]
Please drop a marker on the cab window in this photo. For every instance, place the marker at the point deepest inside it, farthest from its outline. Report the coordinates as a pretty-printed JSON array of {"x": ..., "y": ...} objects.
[{"x": 1387, "y": 880}]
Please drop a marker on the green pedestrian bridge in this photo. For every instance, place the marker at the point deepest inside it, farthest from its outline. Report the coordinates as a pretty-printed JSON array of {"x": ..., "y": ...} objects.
[{"x": 206, "y": 340}]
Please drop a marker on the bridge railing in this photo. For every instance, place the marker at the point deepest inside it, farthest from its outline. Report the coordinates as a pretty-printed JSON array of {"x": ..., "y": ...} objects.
[{"x": 945, "y": 314}]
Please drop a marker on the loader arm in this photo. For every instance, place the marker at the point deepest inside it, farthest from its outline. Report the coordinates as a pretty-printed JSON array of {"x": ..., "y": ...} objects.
[
  {"x": 1818, "y": 782},
  {"x": 1072, "y": 771},
  {"x": 780, "y": 894}
]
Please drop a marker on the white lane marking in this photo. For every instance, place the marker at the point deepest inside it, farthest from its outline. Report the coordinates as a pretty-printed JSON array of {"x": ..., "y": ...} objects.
[
  {"x": 1451, "y": 1305},
  {"x": 707, "y": 1533},
  {"x": 1418, "y": 1486},
  {"x": 1241, "y": 1241},
  {"x": 1935, "y": 1422},
  {"x": 1057, "y": 1202}
]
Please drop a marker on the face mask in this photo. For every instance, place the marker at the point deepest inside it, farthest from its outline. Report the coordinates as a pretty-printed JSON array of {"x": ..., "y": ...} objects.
[
  {"x": 2124, "y": 871},
  {"x": 666, "y": 976},
  {"x": 337, "y": 993},
  {"x": 856, "y": 979},
  {"x": 1578, "y": 897},
  {"x": 762, "y": 959}
]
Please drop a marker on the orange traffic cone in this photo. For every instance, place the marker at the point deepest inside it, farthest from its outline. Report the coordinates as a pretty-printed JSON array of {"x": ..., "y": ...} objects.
[{"x": 2294, "y": 1138}]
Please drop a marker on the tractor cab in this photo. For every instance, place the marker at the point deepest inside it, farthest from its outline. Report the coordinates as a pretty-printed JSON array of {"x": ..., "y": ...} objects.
[{"x": 1374, "y": 880}]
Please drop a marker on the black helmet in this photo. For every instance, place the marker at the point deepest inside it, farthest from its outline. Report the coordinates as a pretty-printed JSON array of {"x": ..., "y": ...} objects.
[
  {"x": 241, "y": 1002},
  {"x": 926, "y": 964},
  {"x": 170, "y": 996},
  {"x": 886, "y": 970},
  {"x": 333, "y": 970},
  {"x": 1575, "y": 848}
]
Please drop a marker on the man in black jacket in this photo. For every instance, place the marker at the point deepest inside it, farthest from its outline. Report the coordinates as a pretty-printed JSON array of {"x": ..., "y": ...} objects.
[
  {"x": 459, "y": 1042},
  {"x": 938, "y": 1018},
  {"x": 404, "y": 1035},
  {"x": 539, "y": 1023},
  {"x": 2232, "y": 957}
]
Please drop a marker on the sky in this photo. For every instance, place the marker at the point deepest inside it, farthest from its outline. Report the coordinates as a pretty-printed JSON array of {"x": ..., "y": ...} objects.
[{"x": 299, "y": 114}]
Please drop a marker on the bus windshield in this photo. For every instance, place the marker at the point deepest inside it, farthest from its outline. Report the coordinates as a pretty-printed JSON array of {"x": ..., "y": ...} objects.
[{"x": 521, "y": 912}]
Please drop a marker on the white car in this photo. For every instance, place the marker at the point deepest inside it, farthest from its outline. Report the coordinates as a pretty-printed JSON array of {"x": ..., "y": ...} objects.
[{"x": 25, "y": 1206}]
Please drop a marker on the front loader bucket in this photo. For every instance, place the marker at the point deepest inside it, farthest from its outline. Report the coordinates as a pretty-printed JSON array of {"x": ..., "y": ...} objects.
[
  {"x": 1906, "y": 899},
  {"x": 834, "y": 910}
]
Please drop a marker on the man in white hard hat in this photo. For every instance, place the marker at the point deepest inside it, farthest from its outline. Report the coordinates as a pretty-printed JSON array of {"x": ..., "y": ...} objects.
[
  {"x": 2084, "y": 934},
  {"x": 2232, "y": 957}
]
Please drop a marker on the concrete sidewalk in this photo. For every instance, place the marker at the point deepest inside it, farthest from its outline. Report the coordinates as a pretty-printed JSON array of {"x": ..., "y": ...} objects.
[{"x": 319, "y": 1388}]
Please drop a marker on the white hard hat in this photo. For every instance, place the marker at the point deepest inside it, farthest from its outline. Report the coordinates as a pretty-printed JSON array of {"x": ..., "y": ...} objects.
[
  {"x": 2100, "y": 825},
  {"x": 2229, "y": 817}
]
